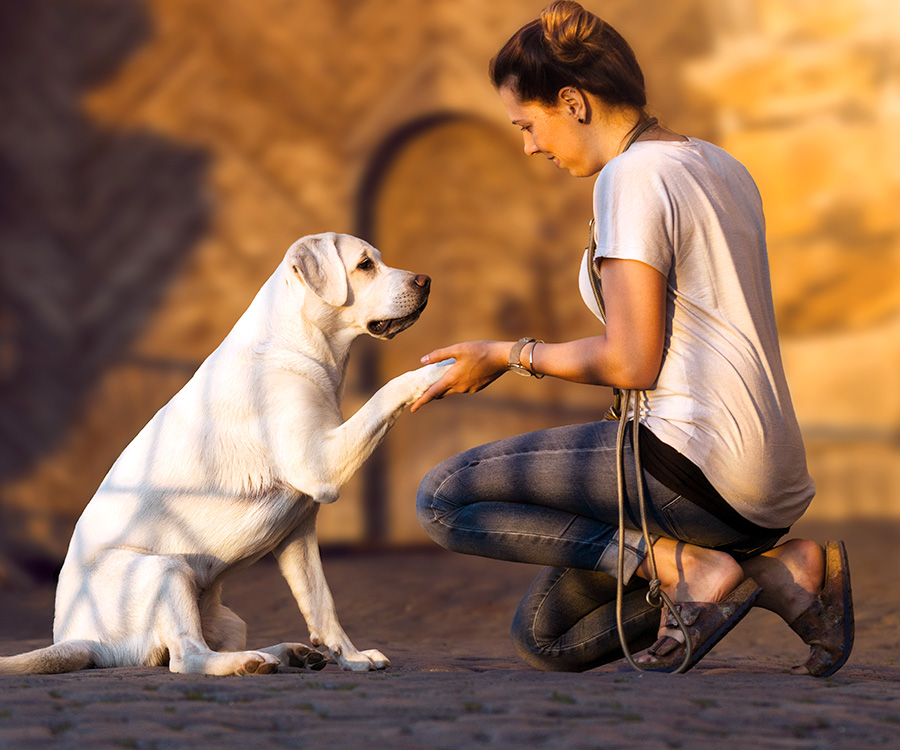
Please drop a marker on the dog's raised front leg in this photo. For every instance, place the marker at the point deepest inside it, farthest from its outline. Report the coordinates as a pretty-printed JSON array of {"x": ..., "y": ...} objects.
[
  {"x": 318, "y": 453},
  {"x": 349, "y": 445},
  {"x": 301, "y": 565}
]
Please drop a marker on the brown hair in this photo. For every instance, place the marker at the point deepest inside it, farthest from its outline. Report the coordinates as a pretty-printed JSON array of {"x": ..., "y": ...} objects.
[{"x": 569, "y": 46}]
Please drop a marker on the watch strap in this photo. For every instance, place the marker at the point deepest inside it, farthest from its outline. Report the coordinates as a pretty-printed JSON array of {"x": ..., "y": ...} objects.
[{"x": 513, "y": 362}]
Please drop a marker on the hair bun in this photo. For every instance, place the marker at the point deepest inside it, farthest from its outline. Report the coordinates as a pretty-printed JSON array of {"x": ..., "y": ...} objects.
[
  {"x": 570, "y": 31},
  {"x": 569, "y": 46}
]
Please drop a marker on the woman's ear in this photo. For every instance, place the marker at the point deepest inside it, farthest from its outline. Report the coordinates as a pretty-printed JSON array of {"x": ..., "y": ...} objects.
[{"x": 574, "y": 103}]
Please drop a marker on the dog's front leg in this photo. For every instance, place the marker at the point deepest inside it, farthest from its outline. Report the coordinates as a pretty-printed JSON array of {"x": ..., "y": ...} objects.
[
  {"x": 301, "y": 565},
  {"x": 316, "y": 453},
  {"x": 349, "y": 445}
]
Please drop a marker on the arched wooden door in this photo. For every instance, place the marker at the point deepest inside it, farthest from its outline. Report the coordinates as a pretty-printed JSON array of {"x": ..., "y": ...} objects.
[{"x": 501, "y": 238}]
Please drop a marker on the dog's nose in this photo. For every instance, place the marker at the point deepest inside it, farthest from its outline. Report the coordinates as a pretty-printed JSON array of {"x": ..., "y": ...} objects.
[{"x": 422, "y": 280}]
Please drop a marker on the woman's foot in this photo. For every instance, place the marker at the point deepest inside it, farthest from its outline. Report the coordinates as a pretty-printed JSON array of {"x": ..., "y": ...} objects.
[
  {"x": 692, "y": 574},
  {"x": 711, "y": 594},
  {"x": 791, "y": 576},
  {"x": 810, "y": 589}
]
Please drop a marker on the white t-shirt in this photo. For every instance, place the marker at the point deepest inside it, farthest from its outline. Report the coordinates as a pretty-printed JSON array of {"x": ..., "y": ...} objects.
[{"x": 692, "y": 212}]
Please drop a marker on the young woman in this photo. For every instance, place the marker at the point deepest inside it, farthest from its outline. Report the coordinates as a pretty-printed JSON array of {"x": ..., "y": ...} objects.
[{"x": 679, "y": 248}]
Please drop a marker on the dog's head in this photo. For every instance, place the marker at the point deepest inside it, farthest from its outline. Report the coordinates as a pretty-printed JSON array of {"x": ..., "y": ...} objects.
[{"x": 347, "y": 275}]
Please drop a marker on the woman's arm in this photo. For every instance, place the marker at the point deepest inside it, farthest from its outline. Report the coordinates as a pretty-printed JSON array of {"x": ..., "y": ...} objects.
[{"x": 628, "y": 355}]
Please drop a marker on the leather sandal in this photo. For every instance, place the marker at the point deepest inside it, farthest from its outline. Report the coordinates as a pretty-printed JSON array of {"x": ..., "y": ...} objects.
[
  {"x": 707, "y": 623},
  {"x": 827, "y": 625}
]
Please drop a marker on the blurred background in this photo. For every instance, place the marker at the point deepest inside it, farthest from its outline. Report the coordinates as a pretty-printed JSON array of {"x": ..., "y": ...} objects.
[{"x": 157, "y": 158}]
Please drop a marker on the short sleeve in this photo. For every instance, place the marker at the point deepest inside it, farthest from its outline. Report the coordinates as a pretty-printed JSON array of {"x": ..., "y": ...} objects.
[{"x": 634, "y": 212}]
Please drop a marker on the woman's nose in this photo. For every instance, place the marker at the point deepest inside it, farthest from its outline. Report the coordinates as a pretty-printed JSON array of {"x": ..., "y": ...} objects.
[{"x": 530, "y": 147}]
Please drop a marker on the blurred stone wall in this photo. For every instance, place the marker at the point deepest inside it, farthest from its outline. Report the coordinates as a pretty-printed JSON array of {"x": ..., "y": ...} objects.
[
  {"x": 807, "y": 95},
  {"x": 157, "y": 157}
]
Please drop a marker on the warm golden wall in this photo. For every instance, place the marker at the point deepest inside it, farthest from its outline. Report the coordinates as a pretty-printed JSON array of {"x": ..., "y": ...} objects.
[
  {"x": 157, "y": 158},
  {"x": 808, "y": 96}
]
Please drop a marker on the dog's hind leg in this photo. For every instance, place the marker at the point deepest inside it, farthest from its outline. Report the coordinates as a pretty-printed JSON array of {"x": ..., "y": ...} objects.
[
  {"x": 222, "y": 629},
  {"x": 142, "y": 607},
  {"x": 181, "y": 631}
]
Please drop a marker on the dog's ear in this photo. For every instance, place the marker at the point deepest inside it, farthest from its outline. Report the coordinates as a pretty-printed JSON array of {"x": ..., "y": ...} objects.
[{"x": 317, "y": 262}]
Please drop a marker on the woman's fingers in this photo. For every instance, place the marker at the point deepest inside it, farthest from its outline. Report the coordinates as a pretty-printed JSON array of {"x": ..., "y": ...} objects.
[
  {"x": 474, "y": 369},
  {"x": 435, "y": 392},
  {"x": 439, "y": 355},
  {"x": 438, "y": 389}
]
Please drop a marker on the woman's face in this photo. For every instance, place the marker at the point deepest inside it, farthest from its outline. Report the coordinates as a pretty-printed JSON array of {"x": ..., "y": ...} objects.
[{"x": 554, "y": 132}]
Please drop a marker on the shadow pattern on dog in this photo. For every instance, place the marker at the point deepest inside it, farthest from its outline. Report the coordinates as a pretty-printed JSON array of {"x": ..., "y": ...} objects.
[{"x": 233, "y": 468}]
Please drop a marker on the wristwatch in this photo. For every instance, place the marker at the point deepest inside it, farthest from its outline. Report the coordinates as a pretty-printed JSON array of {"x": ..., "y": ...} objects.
[{"x": 514, "y": 355}]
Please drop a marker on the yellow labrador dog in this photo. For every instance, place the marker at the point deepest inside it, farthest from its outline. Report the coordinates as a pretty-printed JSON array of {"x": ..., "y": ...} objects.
[{"x": 232, "y": 468}]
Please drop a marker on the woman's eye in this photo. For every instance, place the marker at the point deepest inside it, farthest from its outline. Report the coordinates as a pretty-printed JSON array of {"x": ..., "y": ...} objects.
[{"x": 365, "y": 264}]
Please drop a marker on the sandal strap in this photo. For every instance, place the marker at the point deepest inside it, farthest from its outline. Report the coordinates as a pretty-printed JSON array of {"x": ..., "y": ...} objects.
[
  {"x": 663, "y": 646},
  {"x": 689, "y": 612}
]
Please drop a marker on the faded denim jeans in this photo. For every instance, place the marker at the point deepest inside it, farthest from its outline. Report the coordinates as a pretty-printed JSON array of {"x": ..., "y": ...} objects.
[{"x": 550, "y": 498}]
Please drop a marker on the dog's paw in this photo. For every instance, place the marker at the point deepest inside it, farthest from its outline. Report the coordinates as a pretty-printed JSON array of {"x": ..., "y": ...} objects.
[
  {"x": 430, "y": 374},
  {"x": 305, "y": 657},
  {"x": 255, "y": 662},
  {"x": 363, "y": 661},
  {"x": 297, "y": 655}
]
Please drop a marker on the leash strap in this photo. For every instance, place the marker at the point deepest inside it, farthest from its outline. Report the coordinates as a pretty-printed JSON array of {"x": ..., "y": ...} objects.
[
  {"x": 656, "y": 597},
  {"x": 614, "y": 411}
]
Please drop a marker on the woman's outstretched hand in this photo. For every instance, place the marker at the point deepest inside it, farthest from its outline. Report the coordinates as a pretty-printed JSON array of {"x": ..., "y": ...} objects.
[{"x": 478, "y": 364}]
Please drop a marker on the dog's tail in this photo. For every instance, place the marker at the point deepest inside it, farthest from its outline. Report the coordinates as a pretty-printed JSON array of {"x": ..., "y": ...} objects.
[{"x": 66, "y": 656}]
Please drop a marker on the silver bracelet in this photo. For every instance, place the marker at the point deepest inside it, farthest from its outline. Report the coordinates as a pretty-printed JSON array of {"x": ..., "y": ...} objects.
[{"x": 531, "y": 359}]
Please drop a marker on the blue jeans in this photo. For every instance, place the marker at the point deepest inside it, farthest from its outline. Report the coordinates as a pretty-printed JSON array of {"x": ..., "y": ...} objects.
[{"x": 550, "y": 498}]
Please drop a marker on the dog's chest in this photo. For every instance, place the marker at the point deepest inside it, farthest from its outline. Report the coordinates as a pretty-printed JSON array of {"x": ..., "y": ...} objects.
[
  {"x": 256, "y": 525},
  {"x": 226, "y": 527}
]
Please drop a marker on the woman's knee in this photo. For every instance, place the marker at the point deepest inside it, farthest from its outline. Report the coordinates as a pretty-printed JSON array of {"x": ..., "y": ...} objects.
[
  {"x": 538, "y": 650},
  {"x": 535, "y": 632},
  {"x": 431, "y": 507},
  {"x": 522, "y": 634},
  {"x": 526, "y": 643}
]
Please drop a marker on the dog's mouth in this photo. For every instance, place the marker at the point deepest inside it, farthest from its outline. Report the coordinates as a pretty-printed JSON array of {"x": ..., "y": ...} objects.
[{"x": 387, "y": 329}]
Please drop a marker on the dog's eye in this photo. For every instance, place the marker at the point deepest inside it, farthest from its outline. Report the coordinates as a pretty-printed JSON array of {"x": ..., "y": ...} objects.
[{"x": 365, "y": 264}]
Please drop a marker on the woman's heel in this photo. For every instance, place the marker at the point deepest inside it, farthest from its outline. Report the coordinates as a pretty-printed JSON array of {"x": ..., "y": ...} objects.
[{"x": 827, "y": 624}]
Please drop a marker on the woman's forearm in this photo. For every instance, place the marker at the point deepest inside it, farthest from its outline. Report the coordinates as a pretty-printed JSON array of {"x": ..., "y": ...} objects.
[
  {"x": 628, "y": 355},
  {"x": 593, "y": 361}
]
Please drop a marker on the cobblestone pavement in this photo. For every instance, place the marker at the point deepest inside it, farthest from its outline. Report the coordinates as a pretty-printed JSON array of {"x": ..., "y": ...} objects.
[{"x": 455, "y": 680}]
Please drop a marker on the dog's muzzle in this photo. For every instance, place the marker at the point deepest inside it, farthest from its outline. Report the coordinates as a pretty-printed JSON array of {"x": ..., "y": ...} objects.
[{"x": 418, "y": 293}]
